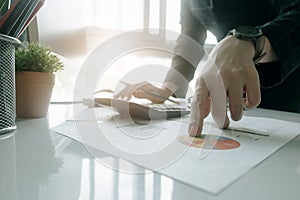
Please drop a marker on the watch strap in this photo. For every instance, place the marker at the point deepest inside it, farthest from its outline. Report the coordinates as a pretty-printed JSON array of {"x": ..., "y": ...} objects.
[{"x": 258, "y": 42}]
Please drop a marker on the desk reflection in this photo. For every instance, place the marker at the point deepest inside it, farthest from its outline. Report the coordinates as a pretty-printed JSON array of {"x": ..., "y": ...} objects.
[
  {"x": 8, "y": 180},
  {"x": 36, "y": 159},
  {"x": 39, "y": 164}
]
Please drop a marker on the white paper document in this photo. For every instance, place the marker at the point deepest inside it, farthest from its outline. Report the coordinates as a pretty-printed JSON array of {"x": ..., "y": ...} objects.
[{"x": 211, "y": 162}]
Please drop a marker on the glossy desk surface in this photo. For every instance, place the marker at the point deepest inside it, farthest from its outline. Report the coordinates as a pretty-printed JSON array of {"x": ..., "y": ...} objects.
[{"x": 37, "y": 163}]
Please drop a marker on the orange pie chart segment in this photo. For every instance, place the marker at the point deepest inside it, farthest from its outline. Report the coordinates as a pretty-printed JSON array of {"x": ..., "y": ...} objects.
[{"x": 209, "y": 142}]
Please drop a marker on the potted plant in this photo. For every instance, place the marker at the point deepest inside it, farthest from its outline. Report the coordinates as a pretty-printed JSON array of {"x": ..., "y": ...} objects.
[{"x": 35, "y": 66}]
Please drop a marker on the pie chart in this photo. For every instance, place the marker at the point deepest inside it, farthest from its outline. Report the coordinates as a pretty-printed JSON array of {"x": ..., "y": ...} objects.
[{"x": 209, "y": 142}]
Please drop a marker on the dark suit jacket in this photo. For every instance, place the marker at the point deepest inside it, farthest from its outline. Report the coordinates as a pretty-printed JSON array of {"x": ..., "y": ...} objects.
[{"x": 279, "y": 21}]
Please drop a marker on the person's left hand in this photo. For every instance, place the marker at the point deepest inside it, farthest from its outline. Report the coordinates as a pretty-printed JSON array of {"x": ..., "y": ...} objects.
[{"x": 143, "y": 90}]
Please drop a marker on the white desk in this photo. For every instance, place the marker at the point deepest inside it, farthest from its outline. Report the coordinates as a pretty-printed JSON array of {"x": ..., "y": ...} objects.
[{"x": 37, "y": 163}]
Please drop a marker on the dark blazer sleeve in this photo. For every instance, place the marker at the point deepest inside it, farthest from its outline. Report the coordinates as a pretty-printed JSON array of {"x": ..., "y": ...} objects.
[
  {"x": 283, "y": 33},
  {"x": 189, "y": 51}
]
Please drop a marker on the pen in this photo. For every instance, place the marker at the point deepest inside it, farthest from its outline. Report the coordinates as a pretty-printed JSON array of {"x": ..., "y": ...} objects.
[
  {"x": 153, "y": 94},
  {"x": 244, "y": 130}
]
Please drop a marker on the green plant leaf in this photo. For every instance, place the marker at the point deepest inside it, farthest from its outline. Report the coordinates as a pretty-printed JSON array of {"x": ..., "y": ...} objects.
[{"x": 34, "y": 57}]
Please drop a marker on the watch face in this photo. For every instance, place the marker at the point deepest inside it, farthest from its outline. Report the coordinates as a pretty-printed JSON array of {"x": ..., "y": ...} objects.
[{"x": 247, "y": 31}]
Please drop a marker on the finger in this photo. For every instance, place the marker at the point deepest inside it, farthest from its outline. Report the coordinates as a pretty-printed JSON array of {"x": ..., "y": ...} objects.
[
  {"x": 129, "y": 89},
  {"x": 218, "y": 102},
  {"x": 252, "y": 88},
  {"x": 226, "y": 122},
  {"x": 214, "y": 80},
  {"x": 153, "y": 93},
  {"x": 130, "y": 92},
  {"x": 123, "y": 93},
  {"x": 199, "y": 108},
  {"x": 207, "y": 108},
  {"x": 152, "y": 96},
  {"x": 236, "y": 102}
]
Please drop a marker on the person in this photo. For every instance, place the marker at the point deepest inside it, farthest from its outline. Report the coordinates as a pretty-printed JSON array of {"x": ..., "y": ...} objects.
[{"x": 257, "y": 58}]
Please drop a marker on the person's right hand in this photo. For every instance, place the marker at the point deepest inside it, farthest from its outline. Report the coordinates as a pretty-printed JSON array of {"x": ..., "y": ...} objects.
[
  {"x": 143, "y": 90},
  {"x": 228, "y": 76}
]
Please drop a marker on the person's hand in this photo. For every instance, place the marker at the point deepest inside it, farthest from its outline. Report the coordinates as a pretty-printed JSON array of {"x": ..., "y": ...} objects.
[
  {"x": 229, "y": 75},
  {"x": 144, "y": 90}
]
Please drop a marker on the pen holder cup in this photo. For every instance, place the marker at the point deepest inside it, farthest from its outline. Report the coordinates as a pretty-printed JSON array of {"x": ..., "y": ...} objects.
[{"x": 7, "y": 84}]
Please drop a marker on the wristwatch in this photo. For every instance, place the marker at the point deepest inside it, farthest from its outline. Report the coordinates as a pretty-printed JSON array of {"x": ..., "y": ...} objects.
[{"x": 253, "y": 34}]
